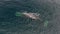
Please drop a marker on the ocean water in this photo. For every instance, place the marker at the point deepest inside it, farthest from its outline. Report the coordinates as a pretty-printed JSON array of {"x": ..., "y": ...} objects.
[{"x": 12, "y": 24}]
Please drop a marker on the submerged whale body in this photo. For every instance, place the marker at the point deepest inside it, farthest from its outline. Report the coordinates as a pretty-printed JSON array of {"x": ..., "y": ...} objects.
[{"x": 32, "y": 15}]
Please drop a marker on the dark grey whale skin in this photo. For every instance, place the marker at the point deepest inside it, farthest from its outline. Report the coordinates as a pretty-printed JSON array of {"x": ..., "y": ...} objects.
[{"x": 11, "y": 24}]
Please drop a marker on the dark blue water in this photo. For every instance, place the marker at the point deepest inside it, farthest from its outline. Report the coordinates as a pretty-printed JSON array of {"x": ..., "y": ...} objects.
[{"x": 10, "y": 22}]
